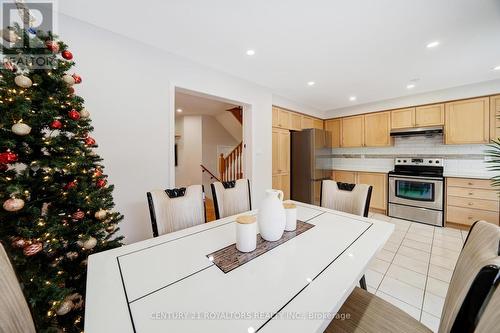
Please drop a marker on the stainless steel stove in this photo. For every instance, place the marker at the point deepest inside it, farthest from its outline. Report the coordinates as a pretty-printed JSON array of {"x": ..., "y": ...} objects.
[{"x": 416, "y": 190}]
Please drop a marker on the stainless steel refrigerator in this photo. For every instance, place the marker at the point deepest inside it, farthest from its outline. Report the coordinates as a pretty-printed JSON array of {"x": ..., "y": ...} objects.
[{"x": 310, "y": 158}]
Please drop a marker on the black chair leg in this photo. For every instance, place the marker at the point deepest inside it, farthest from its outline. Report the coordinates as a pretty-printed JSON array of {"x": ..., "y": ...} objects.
[{"x": 362, "y": 283}]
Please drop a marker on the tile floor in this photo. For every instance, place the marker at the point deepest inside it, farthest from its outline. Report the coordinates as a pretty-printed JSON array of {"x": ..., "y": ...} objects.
[{"x": 414, "y": 268}]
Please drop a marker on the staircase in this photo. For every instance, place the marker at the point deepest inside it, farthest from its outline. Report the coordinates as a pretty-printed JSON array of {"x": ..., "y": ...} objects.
[
  {"x": 231, "y": 166},
  {"x": 237, "y": 113}
]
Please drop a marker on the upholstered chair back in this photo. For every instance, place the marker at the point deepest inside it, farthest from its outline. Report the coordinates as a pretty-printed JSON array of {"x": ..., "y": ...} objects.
[
  {"x": 176, "y": 209},
  {"x": 15, "y": 316},
  {"x": 473, "y": 295},
  {"x": 348, "y": 198},
  {"x": 231, "y": 197}
]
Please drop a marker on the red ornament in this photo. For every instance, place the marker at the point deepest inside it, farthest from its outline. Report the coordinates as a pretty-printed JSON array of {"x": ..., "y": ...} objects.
[
  {"x": 52, "y": 46},
  {"x": 78, "y": 215},
  {"x": 97, "y": 173},
  {"x": 56, "y": 124},
  {"x": 18, "y": 242},
  {"x": 70, "y": 185},
  {"x": 101, "y": 182},
  {"x": 33, "y": 249},
  {"x": 8, "y": 157},
  {"x": 78, "y": 78},
  {"x": 89, "y": 141},
  {"x": 67, "y": 55},
  {"x": 73, "y": 114}
]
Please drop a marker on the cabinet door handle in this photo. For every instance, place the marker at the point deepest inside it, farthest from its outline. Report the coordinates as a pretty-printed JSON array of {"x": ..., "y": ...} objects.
[
  {"x": 469, "y": 217},
  {"x": 470, "y": 193},
  {"x": 470, "y": 183},
  {"x": 471, "y": 204}
]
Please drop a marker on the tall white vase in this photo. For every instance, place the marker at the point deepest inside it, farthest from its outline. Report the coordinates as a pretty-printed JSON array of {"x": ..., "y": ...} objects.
[{"x": 272, "y": 217}]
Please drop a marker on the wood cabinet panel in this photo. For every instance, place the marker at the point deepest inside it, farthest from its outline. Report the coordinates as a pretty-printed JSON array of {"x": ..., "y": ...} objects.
[
  {"x": 379, "y": 192},
  {"x": 377, "y": 128},
  {"x": 429, "y": 115},
  {"x": 403, "y": 118},
  {"x": 467, "y": 121},
  {"x": 473, "y": 203},
  {"x": 284, "y": 152},
  {"x": 295, "y": 121},
  {"x": 276, "y": 149},
  {"x": 284, "y": 119},
  {"x": 470, "y": 183},
  {"x": 495, "y": 117},
  {"x": 318, "y": 123},
  {"x": 307, "y": 122},
  {"x": 468, "y": 216},
  {"x": 276, "y": 117},
  {"x": 344, "y": 176},
  {"x": 281, "y": 160},
  {"x": 285, "y": 185},
  {"x": 474, "y": 193},
  {"x": 352, "y": 131},
  {"x": 333, "y": 126}
]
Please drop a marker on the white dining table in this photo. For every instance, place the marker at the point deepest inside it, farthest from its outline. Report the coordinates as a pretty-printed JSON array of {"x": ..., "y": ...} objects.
[{"x": 169, "y": 283}]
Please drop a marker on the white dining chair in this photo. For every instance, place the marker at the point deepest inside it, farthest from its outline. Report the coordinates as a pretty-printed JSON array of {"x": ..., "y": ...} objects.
[
  {"x": 176, "y": 209},
  {"x": 232, "y": 197},
  {"x": 15, "y": 315},
  {"x": 472, "y": 303}
]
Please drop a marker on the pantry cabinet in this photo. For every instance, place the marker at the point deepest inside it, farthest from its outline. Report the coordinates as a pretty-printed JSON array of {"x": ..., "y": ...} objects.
[
  {"x": 333, "y": 126},
  {"x": 377, "y": 128},
  {"x": 282, "y": 182},
  {"x": 281, "y": 160},
  {"x": 467, "y": 121},
  {"x": 352, "y": 131}
]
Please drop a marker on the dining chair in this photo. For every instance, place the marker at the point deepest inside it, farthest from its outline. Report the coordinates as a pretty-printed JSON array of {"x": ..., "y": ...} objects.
[
  {"x": 472, "y": 303},
  {"x": 348, "y": 198},
  {"x": 176, "y": 209},
  {"x": 15, "y": 315},
  {"x": 232, "y": 197}
]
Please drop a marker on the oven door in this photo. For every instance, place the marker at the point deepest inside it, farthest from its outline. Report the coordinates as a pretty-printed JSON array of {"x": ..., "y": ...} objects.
[{"x": 417, "y": 192}]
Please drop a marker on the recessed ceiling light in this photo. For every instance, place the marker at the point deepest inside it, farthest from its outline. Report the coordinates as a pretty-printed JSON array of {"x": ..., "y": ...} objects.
[
  {"x": 410, "y": 86},
  {"x": 250, "y": 52},
  {"x": 311, "y": 83},
  {"x": 352, "y": 98},
  {"x": 179, "y": 110},
  {"x": 497, "y": 68},
  {"x": 433, "y": 44}
]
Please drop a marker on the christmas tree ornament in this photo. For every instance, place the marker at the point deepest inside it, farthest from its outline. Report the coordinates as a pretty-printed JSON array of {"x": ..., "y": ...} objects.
[
  {"x": 9, "y": 65},
  {"x": 32, "y": 249},
  {"x": 97, "y": 173},
  {"x": 56, "y": 124},
  {"x": 23, "y": 81},
  {"x": 70, "y": 185},
  {"x": 110, "y": 228},
  {"x": 77, "y": 78},
  {"x": 9, "y": 35},
  {"x": 13, "y": 204},
  {"x": 8, "y": 157},
  {"x": 52, "y": 46},
  {"x": 68, "y": 79},
  {"x": 84, "y": 113},
  {"x": 72, "y": 255},
  {"x": 65, "y": 307},
  {"x": 71, "y": 90},
  {"x": 45, "y": 209},
  {"x": 21, "y": 129},
  {"x": 89, "y": 243},
  {"x": 18, "y": 242},
  {"x": 101, "y": 182},
  {"x": 73, "y": 114},
  {"x": 78, "y": 215},
  {"x": 101, "y": 214},
  {"x": 67, "y": 55},
  {"x": 89, "y": 141}
]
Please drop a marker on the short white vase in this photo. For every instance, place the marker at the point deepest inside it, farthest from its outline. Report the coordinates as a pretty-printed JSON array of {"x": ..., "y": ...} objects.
[{"x": 272, "y": 218}]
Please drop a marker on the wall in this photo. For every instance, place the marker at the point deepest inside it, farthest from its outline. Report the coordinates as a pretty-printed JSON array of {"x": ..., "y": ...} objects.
[
  {"x": 189, "y": 150},
  {"x": 213, "y": 135},
  {"x": 231, "y": 125}
]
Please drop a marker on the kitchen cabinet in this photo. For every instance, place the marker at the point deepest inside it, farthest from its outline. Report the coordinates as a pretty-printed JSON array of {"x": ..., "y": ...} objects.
[
  {"x": 281, "y": 160},
  {"x": 333, "y": 126},
  {"x": 377, "y": 128},
  {"x": 429, "y": 115},
  {"x": 467, "y": 121},
  {"x": 470, "y": 200},
  {"x": 352, "y": 131},
  {"x": 318, "y": 123},
  {"x": 495, "y": 117},
  {"x": 295, "y": 121},
  {"x": 377, "y": 180},
  {"x": 281, "y": 118},
  {"x": 307, "y": 122},
  {"x": 403, "y": 118},
  {"x": 282, "y": 182}
]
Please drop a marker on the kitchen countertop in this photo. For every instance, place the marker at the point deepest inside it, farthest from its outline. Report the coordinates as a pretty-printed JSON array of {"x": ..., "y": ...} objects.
[
  {"x": 468, "y": 175},
  {"x": 452, "y": 174},
  {"x": 364, "y": 169}
]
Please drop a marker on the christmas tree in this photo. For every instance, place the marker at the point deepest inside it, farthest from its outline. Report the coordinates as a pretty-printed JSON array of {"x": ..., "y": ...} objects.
[{"x": 57, "y": 205}]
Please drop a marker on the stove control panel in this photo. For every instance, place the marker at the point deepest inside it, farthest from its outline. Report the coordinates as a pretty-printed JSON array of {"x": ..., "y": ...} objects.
[{"x": 418, "y": 161}]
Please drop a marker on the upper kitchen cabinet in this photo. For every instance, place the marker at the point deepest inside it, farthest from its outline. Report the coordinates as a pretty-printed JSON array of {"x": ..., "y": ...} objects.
[
  {"x": 307, "y": 122},
  {"x": 333, "y": 126},
  {"x": 403, "y": 118},
  {"x": 295, "y": 121},
  {"x": 377, "y": 129},
  {"x": 281, "y": 118},
  {"x": 467, "y": 121},
  {"x": 495, "y": 117},
  {"x": 318, "y": 123},
  {"x": 429, "y": 115},
  {"x": 352, "y": 131}
]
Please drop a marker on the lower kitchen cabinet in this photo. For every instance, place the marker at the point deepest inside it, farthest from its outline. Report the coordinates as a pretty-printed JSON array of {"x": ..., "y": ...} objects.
[
  {"x": 377, "y": 180},
  {"x": 282, "y": 182},
  {"x": 470, "y": 200}
]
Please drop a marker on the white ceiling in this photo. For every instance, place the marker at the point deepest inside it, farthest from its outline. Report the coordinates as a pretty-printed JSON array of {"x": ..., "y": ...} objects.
[
  {"x": 191, "y": 104},
  {"x": 367, "y": 48}
]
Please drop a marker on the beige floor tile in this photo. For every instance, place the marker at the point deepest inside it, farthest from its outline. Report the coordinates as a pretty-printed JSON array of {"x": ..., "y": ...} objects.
[
  {"x": 386, "y": 255},
  {"x": 455, "y": 246},
  {"x": 391, "y": 246},
  {"x": 436, "y": 287},
  {"x": 457, "y": 240},
  {"x": 440, "y": 273},
  {"x": 445, "y": 252},
  {"x": 409, "y": 263},
  {"x": 402, "y": 291},
  {"x": 406, "y": 275},
  {"x": 451, "y": 232},
  {"x": 417, "y": 245},
  {"x": 433, "y": 304},
  {"x": 379, "y": 265},
  {"x": 420, "y": 231},
  {"x": 411, "y": 310},
  {"x": 432, "y": 322},
  {"x": 445, "y": 262},
  {"x": 373, "y": 278},
  {"x": 414, "y": 253},
  {"x": 418, "y": 238}
]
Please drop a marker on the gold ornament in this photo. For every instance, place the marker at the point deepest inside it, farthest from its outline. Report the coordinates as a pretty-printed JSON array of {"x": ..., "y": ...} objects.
[
  {"x": 88, "y": 244},
  {"x": 13, "y": 204},
  {"x": 110, "y": 228},
  {"x": 72, "y": 255},
  {"x": 101, "y": 214},
  {"x": 68, "y": 79},
  {"x": 84, "y": 113},
  {"x": 65, "y": 307},
  {"x": 21, "y": 129},
  {"x": 23, "y": 81}
]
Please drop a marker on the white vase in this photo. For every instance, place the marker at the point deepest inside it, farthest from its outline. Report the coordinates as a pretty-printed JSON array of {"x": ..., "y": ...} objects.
[{"x": 272, "y": 218}]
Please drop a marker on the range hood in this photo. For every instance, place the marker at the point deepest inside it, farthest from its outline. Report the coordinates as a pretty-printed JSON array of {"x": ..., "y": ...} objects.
[{"x": 419, "y": 131}]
